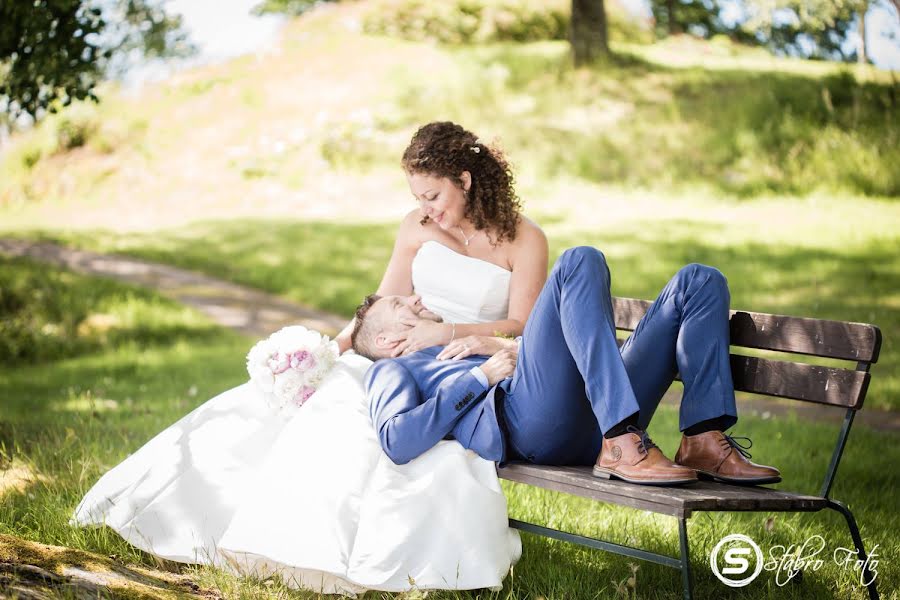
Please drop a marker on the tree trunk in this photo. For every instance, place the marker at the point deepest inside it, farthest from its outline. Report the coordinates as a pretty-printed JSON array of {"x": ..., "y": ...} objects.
[
  {"x": 587, "y": 32},
  {"x": 861, "y": 55},
  {"x": 670, "y": 16}
]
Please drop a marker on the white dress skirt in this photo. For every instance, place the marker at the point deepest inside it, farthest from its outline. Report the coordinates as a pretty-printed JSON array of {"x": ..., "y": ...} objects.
[{"x": 312, "y": 497}]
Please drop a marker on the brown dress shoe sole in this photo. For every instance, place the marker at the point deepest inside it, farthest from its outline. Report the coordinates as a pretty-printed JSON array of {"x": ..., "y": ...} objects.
[
  {"x": 607, "y": 474},
  {"x": 751, "y": 481}
]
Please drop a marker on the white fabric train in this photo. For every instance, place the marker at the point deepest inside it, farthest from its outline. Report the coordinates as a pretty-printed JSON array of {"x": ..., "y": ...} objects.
[{"x": 313, "y": 498}]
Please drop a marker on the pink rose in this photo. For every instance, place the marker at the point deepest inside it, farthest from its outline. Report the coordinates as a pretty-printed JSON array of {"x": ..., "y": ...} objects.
[
  {"x": 302, "y": 360},
  {"x": 303, "y": 395},
  {"x": 279, "y": 363}
]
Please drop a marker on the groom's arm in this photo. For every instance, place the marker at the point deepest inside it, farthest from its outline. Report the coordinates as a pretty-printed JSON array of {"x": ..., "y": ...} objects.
[{"x": 408, "y": 424}]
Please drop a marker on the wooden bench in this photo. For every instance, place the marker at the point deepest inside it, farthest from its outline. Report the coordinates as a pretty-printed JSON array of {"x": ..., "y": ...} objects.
[{"x": 832, "y": 386}]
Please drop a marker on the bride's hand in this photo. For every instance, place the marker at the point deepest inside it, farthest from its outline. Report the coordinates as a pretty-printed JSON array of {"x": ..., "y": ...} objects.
[
  {"x": 475, "y": 344},
  {"x": 424, "y": 333}
]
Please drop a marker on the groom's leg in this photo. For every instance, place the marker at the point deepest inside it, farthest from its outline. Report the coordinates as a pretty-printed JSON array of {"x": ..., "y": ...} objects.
[
  {"x": 685, "y": 331},
  {"x": 570, "y": 383}
]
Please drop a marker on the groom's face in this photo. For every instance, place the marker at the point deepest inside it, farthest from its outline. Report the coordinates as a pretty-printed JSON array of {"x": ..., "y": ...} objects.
[{"x": 397, "y": 315}]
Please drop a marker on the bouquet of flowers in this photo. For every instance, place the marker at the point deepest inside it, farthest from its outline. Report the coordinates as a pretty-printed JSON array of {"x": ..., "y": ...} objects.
[{"x": 289, "y": 365}]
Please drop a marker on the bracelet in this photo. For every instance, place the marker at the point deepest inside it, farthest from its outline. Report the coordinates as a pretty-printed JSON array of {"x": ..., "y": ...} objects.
[{"x": 453, "y": 334}]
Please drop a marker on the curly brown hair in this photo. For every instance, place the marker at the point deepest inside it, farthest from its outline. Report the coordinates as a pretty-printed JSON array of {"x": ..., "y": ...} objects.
[{"x": 445, "y": 149}]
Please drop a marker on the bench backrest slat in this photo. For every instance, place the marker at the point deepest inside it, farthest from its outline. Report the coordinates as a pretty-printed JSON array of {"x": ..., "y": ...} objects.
[
  {"x": 815, "y": 337},
  {"x": 799, "y": 381},
  {"x": 834, "y": 386}
]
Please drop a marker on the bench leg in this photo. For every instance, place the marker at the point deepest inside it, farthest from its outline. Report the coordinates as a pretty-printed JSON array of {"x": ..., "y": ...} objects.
[
  {"x": 857, "y": 540},
  {"x": 685, "y": 559}
]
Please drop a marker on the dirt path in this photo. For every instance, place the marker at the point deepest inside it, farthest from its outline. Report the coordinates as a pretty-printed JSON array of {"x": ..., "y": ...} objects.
[
  {"x": 258, "y": 314},
  {"x": 247, "y": 310}
]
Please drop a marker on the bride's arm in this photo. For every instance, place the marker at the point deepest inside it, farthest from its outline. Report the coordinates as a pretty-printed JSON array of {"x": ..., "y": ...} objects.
[{"x": 397, "y": 279}]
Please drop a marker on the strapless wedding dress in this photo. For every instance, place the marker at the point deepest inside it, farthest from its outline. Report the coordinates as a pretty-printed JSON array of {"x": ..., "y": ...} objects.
[{"x": 313, "y": 498}]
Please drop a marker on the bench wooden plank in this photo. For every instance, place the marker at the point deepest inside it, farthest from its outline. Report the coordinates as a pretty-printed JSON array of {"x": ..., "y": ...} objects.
[
  {"x": 858, "y": 342},
  {"x": 610, "y": 492},
  {"x": 799, "y": 381},
  {"x": 674, "y": 500}
]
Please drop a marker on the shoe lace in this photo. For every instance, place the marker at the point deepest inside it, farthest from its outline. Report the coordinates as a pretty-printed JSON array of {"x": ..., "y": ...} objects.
[
  {"x": 646, "y": 442},
  {"x": 733, "y": 442}
]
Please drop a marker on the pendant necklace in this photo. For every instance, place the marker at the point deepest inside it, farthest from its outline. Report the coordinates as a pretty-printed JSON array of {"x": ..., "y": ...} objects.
[{"x": 468, "y": 239}]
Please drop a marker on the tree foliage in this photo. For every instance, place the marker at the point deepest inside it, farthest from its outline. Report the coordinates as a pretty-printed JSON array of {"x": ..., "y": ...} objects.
[
  {"x": 55, "y": 51},
  {"x": 286, "y": 7},
  {"x": 49, "y": 50},
  {"x": 808, "y": 28}
]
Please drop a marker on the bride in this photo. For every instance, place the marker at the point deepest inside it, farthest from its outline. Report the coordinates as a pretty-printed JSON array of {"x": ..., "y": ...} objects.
[{"x": 312, "y": 497}]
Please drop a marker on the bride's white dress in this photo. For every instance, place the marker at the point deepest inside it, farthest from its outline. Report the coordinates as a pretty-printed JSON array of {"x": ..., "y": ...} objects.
[{"x": 313, "y": 498}]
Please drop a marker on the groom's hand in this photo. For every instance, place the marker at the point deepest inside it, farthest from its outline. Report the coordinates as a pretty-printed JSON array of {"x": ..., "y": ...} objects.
[
  {"x": 499, "y": 366},
  {"x": 427, "y": 314}
]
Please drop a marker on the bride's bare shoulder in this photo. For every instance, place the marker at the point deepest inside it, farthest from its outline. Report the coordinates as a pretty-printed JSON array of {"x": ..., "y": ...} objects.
[
  {"x": 530, "y": 243},
  {"x": 413, "y": 232},
  {"x": 529, "y": 233}
]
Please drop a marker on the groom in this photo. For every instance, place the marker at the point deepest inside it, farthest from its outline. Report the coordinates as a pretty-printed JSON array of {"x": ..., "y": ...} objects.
[{"x": 564, "y": 393}]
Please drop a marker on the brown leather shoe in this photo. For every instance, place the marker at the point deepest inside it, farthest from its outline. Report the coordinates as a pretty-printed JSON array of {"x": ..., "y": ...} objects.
[
  {"x": 715, "y": 455},
  {"x": 634, "y": 458}
]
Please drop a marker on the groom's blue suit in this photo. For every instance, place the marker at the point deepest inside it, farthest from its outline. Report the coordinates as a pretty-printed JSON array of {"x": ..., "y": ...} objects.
[{"x": 572, "y": 382}]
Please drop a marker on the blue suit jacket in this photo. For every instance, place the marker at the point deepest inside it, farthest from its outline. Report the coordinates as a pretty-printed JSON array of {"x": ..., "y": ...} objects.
[{"x": 416, "y": 401}]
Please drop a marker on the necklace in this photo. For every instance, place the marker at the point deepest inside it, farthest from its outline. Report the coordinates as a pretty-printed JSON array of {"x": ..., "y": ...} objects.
[{"x": 469, "y": 238}]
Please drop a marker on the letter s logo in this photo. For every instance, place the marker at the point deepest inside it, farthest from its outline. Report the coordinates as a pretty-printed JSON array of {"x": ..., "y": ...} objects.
[
  {"x": 734, "y": 559},
  {"x": 735, "y": 556}
]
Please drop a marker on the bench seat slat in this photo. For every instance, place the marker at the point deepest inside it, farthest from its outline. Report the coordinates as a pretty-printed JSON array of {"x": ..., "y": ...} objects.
[
  {"x": 858, "y": 342},
  {"x": 674, "y": 500}
]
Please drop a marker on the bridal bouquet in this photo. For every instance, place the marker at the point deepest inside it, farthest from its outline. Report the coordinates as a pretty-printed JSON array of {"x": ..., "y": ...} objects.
[{"x": 290, "y": 364}]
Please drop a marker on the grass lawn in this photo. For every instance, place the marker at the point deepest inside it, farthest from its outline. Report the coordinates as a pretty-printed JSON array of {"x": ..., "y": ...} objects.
[{"x": 128, "y": 363}]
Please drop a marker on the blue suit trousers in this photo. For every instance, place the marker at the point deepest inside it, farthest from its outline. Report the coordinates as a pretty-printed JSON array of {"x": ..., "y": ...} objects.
[{"x": 573, "y": 382}]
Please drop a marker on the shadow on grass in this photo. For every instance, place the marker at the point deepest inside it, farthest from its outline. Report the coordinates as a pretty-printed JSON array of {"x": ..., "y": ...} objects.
[{"x": 49, "y": 314}]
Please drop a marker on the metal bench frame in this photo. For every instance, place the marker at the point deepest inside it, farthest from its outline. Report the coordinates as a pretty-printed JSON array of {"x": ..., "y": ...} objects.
[{"x": 813, "y": 337}]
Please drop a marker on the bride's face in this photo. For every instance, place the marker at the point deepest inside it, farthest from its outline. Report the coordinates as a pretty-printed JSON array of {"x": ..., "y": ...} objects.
[{"x": 439, "y": 198}]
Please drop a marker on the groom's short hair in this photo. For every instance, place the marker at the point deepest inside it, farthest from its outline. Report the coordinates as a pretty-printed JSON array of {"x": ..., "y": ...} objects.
[{"x": 366, "y": 329}]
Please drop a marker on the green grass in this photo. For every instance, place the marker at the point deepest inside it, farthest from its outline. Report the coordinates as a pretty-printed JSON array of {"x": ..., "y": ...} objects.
[{"x": 69, "y": 419}]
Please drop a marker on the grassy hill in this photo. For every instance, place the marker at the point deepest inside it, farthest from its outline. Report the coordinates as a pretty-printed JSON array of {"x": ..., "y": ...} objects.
[{"x": 679, "y": 114}]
